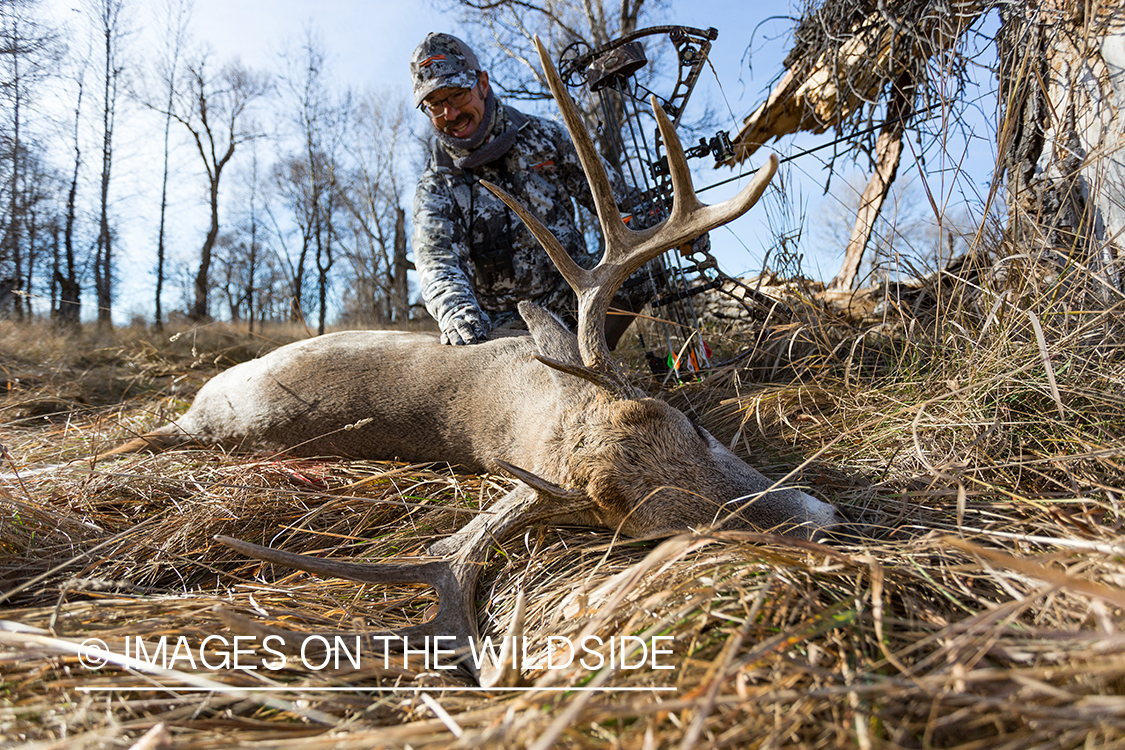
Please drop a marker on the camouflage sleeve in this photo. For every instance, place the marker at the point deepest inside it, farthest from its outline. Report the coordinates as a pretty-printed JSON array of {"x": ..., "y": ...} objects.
[
  {"x": 575, "y": 179},
  {"x": 440, "y": 257}
]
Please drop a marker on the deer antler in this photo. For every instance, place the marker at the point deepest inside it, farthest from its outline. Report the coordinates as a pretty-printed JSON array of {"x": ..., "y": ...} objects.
[
  {"x": 626, "y": 250},
  {"x": 454, "y": 578}
]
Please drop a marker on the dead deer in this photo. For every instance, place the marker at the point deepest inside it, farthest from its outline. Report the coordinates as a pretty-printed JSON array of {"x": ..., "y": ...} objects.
[{"x": 552, "y": 409}]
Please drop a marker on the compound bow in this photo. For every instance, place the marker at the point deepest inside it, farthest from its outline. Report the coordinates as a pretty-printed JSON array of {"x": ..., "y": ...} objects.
[{"x": 608, "y": 73}]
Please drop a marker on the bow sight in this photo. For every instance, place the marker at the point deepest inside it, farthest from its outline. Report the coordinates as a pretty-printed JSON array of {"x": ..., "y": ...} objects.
[{"x": 631, "y": 142}]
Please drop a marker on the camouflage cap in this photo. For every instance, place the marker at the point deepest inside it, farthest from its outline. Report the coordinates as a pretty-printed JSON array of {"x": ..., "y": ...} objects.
[{"x": 442, "y": 61}]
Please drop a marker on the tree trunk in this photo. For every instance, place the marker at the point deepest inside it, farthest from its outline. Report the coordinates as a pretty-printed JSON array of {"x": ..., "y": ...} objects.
[
  {"x": 211, "y": 108},
  {"x": 326, "y": 228},
  {"x": 296, "y": 300},
  {"x": 32, "y": 229},
  {"x": 158, "y": 314},
  {"x": 70, "y": 309},
  {"x": 176, "y": 29},
  {"x": 321, "y": 270},
  {"x": 199, "y": 310},
  {"x": 70, "y": 305},
  {"x": 1062, "y": 134},
  {"x": 10, "y": 251},
  {"x": 888, "y": 151},
  {"x": 56, "y": 269},
  {"x": 103, "y": 275},
  {"x": 252, "y": 261},
  {"x": 401, "y": 290}
]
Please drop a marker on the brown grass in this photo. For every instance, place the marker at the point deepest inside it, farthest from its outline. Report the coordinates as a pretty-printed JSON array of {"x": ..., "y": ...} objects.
[{"x": 983, "y": 461}]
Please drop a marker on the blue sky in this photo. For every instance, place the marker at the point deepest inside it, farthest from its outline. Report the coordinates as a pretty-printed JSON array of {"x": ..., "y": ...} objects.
[{"x": 369, "y": 43}]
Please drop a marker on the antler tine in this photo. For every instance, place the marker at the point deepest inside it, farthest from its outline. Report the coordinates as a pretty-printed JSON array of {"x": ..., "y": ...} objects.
[
  {"x": 454, "y": 581},
  {"x": 604, "y": 202},
  {"x": 441, "y": 574},
  {"x": 454, "y": 577},
  {"x": 689, "y": 216},
  {"x": 626, "y": 250}
]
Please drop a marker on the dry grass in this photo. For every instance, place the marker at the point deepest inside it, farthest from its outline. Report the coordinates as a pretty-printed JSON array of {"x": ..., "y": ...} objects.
[{"x": 979, "y": 448}]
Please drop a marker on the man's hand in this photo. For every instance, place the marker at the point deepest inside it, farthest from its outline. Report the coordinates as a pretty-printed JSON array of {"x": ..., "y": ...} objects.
[{"x": 466, "y": 326}]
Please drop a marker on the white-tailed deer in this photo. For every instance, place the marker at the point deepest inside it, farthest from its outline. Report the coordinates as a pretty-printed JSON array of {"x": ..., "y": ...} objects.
[{"x": 552, "y": 409}]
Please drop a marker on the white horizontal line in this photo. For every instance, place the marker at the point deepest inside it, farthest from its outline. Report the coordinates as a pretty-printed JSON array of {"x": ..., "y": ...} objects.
[{"x": 234, "y": 688}]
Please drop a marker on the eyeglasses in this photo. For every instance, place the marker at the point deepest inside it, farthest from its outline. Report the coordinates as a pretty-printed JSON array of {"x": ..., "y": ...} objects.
[{"x": 457, "y": 100}]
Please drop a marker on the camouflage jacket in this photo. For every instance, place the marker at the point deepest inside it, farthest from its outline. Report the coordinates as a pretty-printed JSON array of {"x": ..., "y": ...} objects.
[{"x": 472, "y": 251}]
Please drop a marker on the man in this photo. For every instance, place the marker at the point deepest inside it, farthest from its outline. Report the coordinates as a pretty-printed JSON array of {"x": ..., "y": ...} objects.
[{"x": 475, "y": 259}]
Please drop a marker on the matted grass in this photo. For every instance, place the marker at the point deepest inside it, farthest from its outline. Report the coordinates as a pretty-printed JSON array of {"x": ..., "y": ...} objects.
[{"x": 980, "y": 454}]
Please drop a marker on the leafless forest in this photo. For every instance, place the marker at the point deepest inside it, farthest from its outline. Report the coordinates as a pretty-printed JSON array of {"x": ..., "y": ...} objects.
[{"x": 302, "y": 180}]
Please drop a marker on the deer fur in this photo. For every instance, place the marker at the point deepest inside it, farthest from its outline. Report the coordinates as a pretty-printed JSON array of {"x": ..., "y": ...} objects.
[{"x": 387, "y": 395}]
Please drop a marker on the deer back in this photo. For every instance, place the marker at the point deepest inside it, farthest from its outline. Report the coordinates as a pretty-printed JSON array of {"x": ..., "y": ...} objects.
[{"x": 380, "y": 395}]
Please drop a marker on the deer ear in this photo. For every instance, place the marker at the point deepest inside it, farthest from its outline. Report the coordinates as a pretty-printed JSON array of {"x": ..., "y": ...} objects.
[
  {"x": 558, "y": 349},
  {"x": 553, "y": 340}
]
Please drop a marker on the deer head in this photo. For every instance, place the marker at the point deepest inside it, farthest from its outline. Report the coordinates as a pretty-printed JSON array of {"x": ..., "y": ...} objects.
[{"x": 612, "y": 467}]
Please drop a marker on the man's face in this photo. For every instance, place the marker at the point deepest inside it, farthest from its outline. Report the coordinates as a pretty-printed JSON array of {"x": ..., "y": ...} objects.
[{"x": 458, "y": 121}]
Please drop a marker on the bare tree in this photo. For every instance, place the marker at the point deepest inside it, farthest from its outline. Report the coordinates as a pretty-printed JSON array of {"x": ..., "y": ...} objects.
[
  {"x": 253, "y": 254},
  {"x": 326, "y": 235},
  {"x": 177, "y": 15},
  {"x": 318, "y": 121},
  {"x": 271, "y": 288},
  {"x": 40, "y": 216},
  {"x": 111, "y": 33},
  {"x": 232, "y": 275},
  {"x": 291, "y": 184},
  {"x": 380, "y": 135},
  {"x": 213, "y": 108},
  {"x": 238, "y": 251},
  {"x": 70, "y": 306},
  {"x": 10, "y": 261},
  {"x": 26, "y": 47}
]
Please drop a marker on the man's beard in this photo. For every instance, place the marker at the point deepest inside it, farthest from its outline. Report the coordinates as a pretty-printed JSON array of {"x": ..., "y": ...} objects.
[
  {"x": 482, "y": 131},
  {"x": 452, "y": 127}
]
